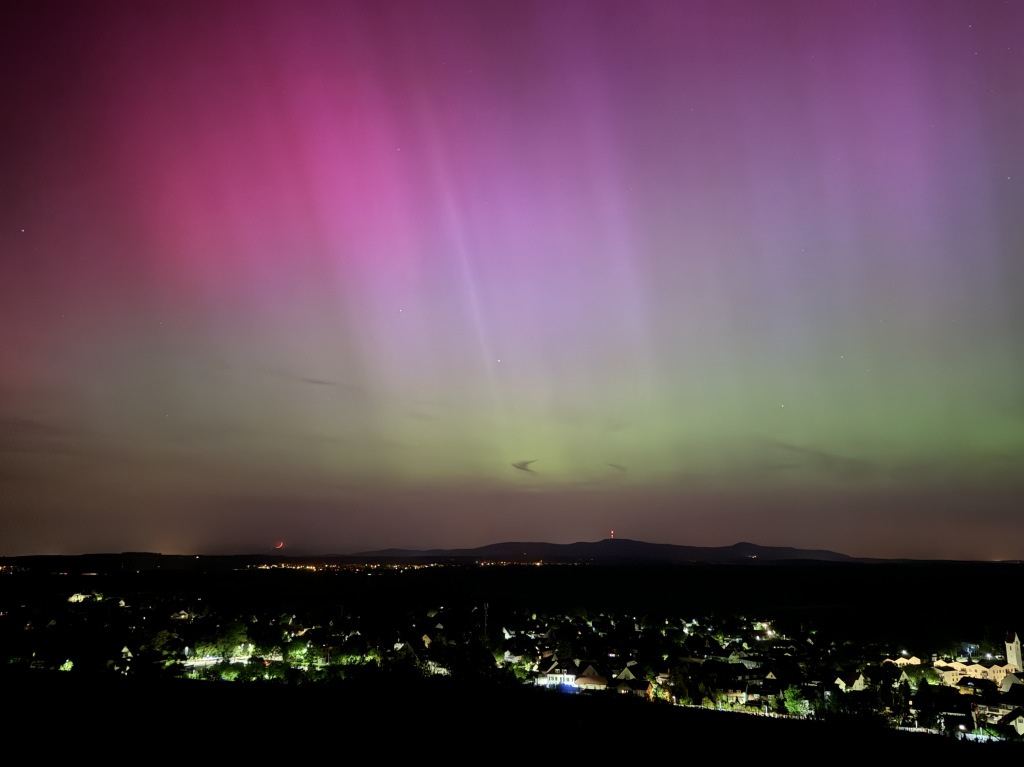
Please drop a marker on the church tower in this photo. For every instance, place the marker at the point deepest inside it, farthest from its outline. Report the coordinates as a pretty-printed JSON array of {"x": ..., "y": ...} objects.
[{"x": 1013, "y": 653}]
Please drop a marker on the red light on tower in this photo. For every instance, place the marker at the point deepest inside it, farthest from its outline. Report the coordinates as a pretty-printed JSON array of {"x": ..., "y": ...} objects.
[{"x": 613, "y": 535}]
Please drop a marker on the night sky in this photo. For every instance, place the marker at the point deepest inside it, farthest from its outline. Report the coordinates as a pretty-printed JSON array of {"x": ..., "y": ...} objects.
[{"x": 350, "y": 275}]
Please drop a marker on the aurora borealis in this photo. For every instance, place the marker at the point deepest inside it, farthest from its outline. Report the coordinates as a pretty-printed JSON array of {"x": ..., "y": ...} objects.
[{"x": 324, "y": 272}]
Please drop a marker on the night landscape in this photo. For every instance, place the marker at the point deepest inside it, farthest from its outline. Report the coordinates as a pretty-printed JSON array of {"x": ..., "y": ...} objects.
[{"x": 515, "y": 376}]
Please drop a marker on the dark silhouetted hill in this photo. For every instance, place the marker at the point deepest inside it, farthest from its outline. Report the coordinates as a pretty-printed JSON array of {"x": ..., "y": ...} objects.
[{"x": 623, "y": 550}]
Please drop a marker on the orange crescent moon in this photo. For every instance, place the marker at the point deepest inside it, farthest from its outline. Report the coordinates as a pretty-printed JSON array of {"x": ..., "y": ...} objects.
[{"x": 279, "y": 545}]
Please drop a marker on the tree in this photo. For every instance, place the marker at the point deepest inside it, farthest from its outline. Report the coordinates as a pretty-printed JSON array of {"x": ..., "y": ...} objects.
[
  {"x": 679, "y": 684},
  {"x": 708, "y": 694},
  {"x": 794, "y": 702},
  {"x": 222, "y": 641}
]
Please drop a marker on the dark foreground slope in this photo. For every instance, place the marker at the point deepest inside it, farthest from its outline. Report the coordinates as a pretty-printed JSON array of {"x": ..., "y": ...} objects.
[{"x": 435, "y": 717}]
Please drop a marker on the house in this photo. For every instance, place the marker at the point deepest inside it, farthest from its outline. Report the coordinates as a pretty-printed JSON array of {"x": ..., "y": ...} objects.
[
  {"x": 951, "y": 672},
  {"x": 640, "y": 688},
  {"x": 968, "y": 686},
  {"x": 591, "y": 679},
  {"x": 903, "y": 660},
  {"x": 1008, "y": 681},
  {"x": 558, "y": 673},
  {"x": 851, "y": 680},
  {"x": 1014, "y": 720}
]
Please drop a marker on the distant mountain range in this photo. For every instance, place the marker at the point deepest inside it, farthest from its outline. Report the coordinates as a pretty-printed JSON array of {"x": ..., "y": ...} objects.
[
  {"x": 618, "y": 550},
  {"x": 611, "y": 551}
]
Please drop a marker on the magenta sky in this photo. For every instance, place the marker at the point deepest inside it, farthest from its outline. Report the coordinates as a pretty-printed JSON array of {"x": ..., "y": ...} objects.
[{"x": 322, "y": 272}]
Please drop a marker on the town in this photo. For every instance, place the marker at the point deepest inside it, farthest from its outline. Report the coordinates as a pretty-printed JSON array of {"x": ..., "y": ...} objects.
[{"x": 564, "y": 627}]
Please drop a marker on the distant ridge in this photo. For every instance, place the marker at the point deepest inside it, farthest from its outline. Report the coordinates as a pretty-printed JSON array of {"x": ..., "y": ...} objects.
[{"x": 619, "y": 550}]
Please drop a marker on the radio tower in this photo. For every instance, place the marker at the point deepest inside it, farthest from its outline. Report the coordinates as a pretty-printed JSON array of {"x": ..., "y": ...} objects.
[{"x": 613, "y": 535}]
